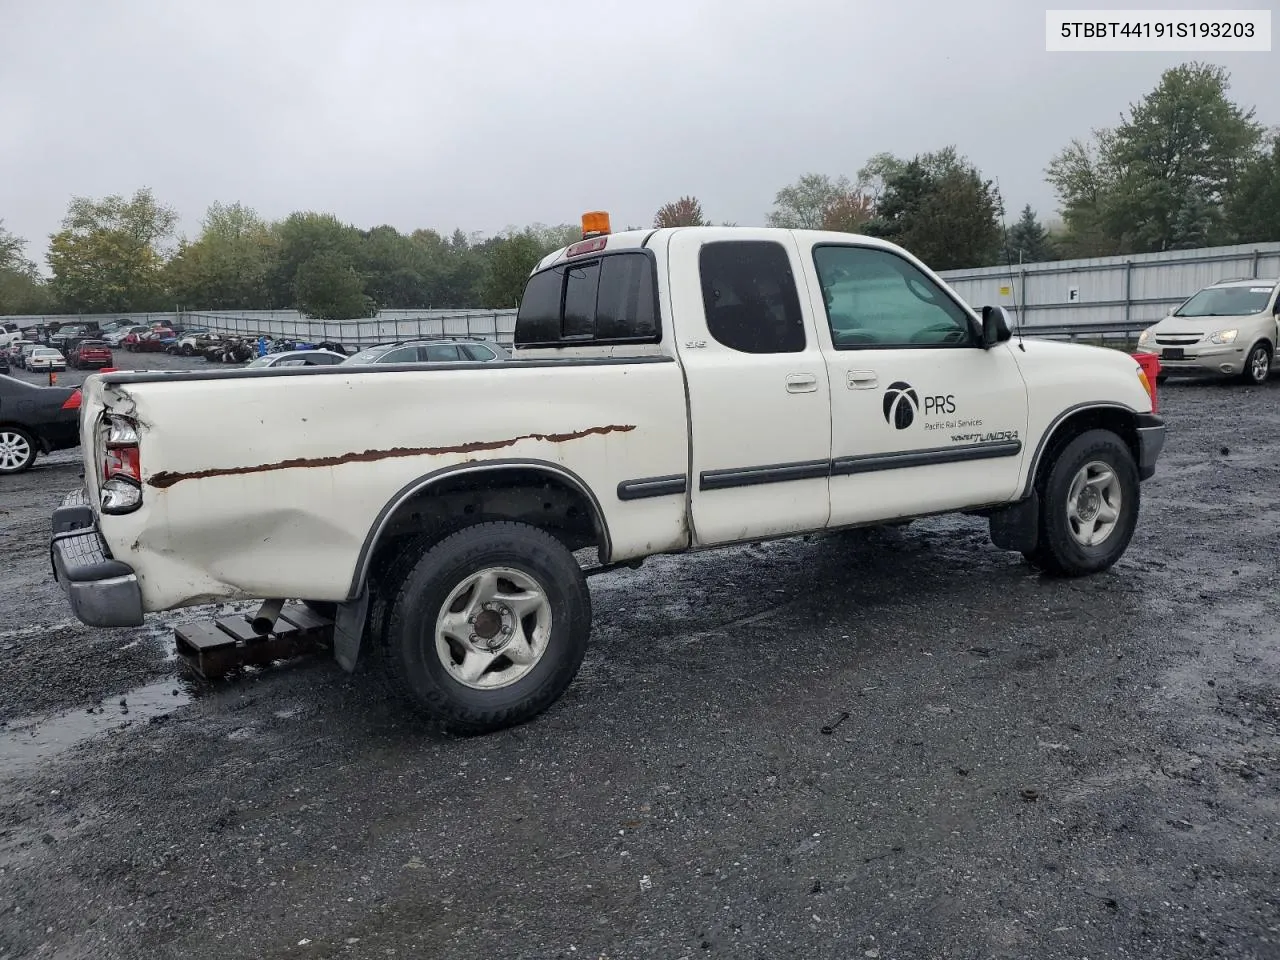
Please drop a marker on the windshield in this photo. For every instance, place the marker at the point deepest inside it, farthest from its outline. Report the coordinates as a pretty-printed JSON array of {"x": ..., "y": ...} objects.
[
  {"x": 261, "y": 361},
  {"x": 1227, "y": 302},
  {"x": 366, "y": 356}
]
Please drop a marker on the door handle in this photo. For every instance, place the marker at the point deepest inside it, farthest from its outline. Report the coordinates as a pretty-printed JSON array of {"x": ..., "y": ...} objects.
[
  {"x": 861, "y": 379},
  {"x": 802, "y": 383}
]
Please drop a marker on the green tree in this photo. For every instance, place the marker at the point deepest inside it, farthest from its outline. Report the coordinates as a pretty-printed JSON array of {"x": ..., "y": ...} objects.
[
  {"x": 108, "y": 257},
  {"x": 227, "y": 267},
  {"x": 301, "y": 237},
  {"x": 397, "y": 271},
  {"x": 1253, "y": 208},
  {"x": 21, "y": 288},
  {"x": 508, "y": 260},
  {"x": 685, "y": 212},
  {"x": 1028, "y": 241},
  {"x": 938, "y": 206},
  {"x": 328, "y": 287},
  {"x": 1159, "y": 180}
]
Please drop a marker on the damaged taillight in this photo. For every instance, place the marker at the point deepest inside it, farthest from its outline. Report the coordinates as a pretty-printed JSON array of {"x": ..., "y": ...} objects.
[{"x": 121, "y": 466}]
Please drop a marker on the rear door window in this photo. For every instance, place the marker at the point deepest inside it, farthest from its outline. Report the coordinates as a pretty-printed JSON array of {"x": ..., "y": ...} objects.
[
  {"x": 607, "y": 299},
  {"x": 438, "y": 353}
]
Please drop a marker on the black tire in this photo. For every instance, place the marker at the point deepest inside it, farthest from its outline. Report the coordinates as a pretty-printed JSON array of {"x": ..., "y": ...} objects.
[
  {"x": 410, "y": 662},
  {"x": 17, "y": 435},
  {"x": 1161, "y": 378},
  {"x": 1057, "y": 550},
  {"x": 1256, "y": 371}
]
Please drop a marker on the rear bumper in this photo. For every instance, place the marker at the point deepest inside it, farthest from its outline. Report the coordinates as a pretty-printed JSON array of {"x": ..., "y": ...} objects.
[
  {"x": 102, "y": 591},
  {"x": 1151, "y": 435}
]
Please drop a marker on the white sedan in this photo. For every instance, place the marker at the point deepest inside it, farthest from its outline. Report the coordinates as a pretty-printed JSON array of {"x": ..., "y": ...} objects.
[
  {"x": 46, "y": 358},
  {"x": 297, "y": 358}
]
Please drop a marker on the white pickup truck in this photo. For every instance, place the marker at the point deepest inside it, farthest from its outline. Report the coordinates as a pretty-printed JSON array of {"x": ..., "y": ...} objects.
[{"x": 672, "y": 390}]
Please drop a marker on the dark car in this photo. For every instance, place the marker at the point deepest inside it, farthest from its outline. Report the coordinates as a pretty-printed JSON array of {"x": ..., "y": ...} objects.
[
  {"x": 34, "y": 420},
  {"x": 90, "y": 353}
]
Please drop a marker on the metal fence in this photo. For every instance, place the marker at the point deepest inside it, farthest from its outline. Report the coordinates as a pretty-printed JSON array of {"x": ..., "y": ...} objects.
[
  {"x": 389, "y": 325},
  {"x": 1128, "y": 292}
]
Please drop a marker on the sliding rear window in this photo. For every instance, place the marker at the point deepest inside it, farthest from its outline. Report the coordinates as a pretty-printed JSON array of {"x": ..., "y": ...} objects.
[{"x": 606, "y": 300}]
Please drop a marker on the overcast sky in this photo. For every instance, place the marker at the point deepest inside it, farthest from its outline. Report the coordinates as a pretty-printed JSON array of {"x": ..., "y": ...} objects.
[{"x": 489, "y": 113}]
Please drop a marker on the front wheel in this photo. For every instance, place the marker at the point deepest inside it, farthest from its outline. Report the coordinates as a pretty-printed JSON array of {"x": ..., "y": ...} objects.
[
  {"x": 1088, "y": 506},
  {"x": 1257, "y": 366},
  {"x": 17, "y": 450},
  {"x": 489, "y": 627}
]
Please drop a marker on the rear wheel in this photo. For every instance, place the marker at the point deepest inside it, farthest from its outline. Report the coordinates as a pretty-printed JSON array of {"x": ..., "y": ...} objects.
[
  {"x": 489, "y": 626},
  {"x": 1088, "y": 506},
  {"x": 17, "y": 450},
  {"x": 1257, "y": 366}
]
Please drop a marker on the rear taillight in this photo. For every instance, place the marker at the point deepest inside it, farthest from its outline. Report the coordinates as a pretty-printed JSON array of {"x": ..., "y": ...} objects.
[
  {"x": 121, "y": 466},
  {"x": 72, "y": 402}
]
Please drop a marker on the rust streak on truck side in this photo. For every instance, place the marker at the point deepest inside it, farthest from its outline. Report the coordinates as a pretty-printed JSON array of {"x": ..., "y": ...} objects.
[{"x": 167, "y": 478}]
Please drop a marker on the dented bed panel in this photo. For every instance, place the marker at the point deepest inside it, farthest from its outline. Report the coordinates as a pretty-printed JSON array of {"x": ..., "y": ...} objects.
[{"x": 269, "y": 487}]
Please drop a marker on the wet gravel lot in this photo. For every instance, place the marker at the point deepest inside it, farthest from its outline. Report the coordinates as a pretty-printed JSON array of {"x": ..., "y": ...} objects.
[{"x": 1030, "y": 767}]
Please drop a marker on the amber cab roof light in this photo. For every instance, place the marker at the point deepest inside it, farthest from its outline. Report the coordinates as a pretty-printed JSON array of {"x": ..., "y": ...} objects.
[{"x": 595, "y": 224}]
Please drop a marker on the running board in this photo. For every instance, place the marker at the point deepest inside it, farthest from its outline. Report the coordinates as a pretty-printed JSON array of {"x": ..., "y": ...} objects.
[{"x": 214, "y": 648}]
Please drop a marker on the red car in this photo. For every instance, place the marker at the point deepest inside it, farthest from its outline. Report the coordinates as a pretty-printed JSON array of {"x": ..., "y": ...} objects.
[
  {"x": 90, "y": 353},
  {"x": 153, "y": 341}
]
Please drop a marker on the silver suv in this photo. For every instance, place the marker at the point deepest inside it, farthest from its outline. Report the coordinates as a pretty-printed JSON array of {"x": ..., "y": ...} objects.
[
  {"x": 1230, "y": 328},
  {"x": 432, "y": 350}
]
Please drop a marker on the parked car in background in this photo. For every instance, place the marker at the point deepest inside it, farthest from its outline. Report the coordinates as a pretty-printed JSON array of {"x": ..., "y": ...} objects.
[
  {"x": 34, "y": 420},
  {"x": 298, "y": 358},
  {"x": 185, "y": 341},
  {"x": 88, "y": 354},
  {"x": 45, "y": 358},
  {"x": 153, "y": 341},
  {"x": 25, "y": 353},
  {"x": 1230, "y": 328},
  {"x": 432, "y": 350},
  {"x": 4, "y": 362},
  {"x": 116, "y": 337},
  {"x": 13, "y": 353}
]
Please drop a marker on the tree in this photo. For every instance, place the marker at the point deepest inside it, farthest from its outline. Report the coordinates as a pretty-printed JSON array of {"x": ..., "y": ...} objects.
[
  {"x": 848, "y": 211},
  {"x": 108, "y": 257},
  {"x": 803, "y": 205},
  {"x": 301, "y": 237},
  {"x": 939, "y": 207},
  {"x": 397, "y": 271},
  {"x": 227, "y": 267},
  {"x": 1159, "y": 180},
  {"x": 685, "y": 212},
  {"x": 1028, "y": 241},
  {"x": 1253, "y": 209},
  {"x": 510, "y": 258},
  {"x": 21, "y": 288},
  {"x": 327, "y": 287},
  {"x": 816, "y": 202},
  {"x": 875, "y": 174}
]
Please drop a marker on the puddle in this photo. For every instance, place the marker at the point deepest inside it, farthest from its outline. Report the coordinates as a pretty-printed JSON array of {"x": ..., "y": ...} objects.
[{"x": 30, "y": 741}]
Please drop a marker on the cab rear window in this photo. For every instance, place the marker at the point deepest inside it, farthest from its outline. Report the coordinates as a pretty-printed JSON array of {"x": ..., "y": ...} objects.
[{"x": 607, "y": 299}]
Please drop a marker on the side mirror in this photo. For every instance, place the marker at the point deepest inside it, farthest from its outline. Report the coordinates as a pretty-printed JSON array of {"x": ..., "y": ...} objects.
[{"x": 995, "y": 326}]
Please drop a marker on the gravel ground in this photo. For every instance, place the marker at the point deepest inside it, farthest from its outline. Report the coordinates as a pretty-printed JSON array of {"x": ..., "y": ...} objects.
[{"x": 1081, "y": 769}]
